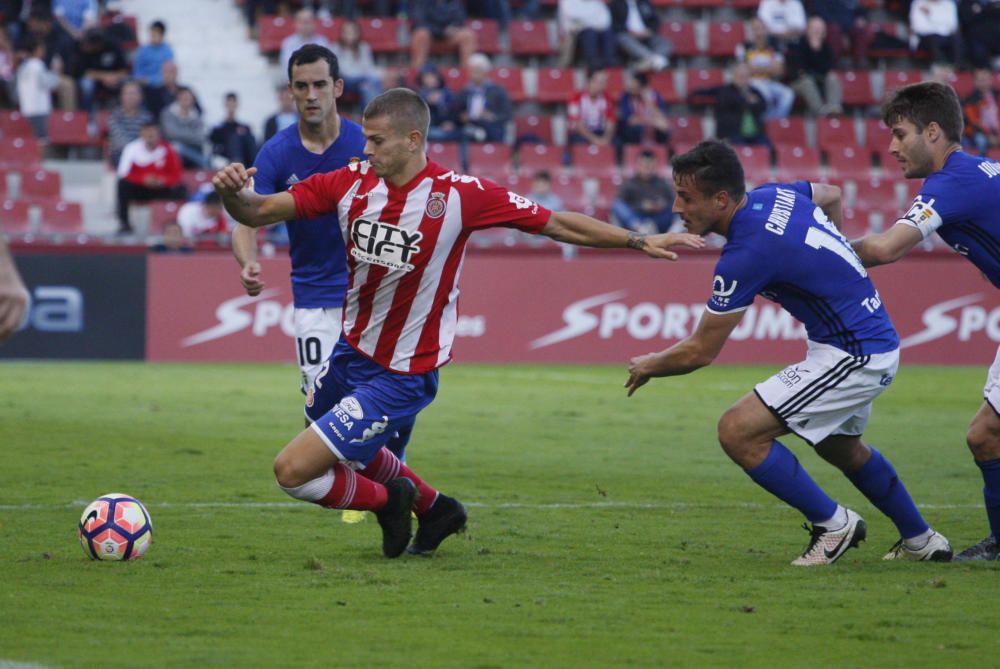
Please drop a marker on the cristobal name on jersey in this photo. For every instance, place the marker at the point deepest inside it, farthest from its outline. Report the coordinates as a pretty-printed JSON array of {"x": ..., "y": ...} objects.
[{"x": 777, "y": 220}]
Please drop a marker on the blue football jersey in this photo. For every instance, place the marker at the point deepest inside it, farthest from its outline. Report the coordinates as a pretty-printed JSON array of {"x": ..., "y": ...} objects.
[
  {"x": 782, "y": 246},
  {"x": 316, "y": 245},
  {"x": 961, "y": 202}
]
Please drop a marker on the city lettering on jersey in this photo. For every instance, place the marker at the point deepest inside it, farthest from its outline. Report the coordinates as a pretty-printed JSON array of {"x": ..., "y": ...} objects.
[
  {"x": 990, "y": 168},
  {"x": 777, "y": 220},
  {"x": 383, "y": 244},
  {"x": 453, "y": 177}
]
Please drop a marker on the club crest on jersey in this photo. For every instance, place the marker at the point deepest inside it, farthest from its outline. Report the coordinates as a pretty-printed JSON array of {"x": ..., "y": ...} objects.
[
  {"x": 383, "y": 244},
  {"x": 436, "y": 206}
]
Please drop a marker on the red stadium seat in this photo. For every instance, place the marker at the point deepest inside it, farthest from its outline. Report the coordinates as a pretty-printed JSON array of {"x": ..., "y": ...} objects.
[
  {"x": 534, "y": 157},
  {"x": 194, "y": 179},
  {"x": 512, "y": 79},
  {"x": 756, "y": 162},
  {"x": 271, "y": 31},
  {"x": 21, "y": 152},
  {"x": 490, "y": 160},
  {"x": 724, "y": 37},
  {"x": 616, "y": 82},
  {"x": 898, "y": 78},
  {"x": 530, "y": 38},
  {"x": 329, "y": 29},
  {"x": 857, "y": 87},
  {"x": 682, "y": 35},
  {"x": 848, "y": 161},
  {"x": 445, "y": 154},
  {"x": 877, "y": 137},
  {"x": 791, "y": 130},
  {"x": 16, "y": 217},
  {"x": 60, "y": 217},
  {"x": 853, "y": 223},
  {"x": 381, "y": 33},
  {"x": 569, "y": 188},
  {"x": 835, "y": 131},
  {"x": 798, "y": 162},
  {"x": 872, "y": 192},
  {"x": 686, "y": 129},
  {"x": 14, "y": 124},
  {"x": 161, "y": 211},
  {"x": 454, "y": 78},
  {"x": 703, "y": 80},
  {"x": 487, "y": 35},
  {"x": 533, "y": 127},
  {"x": 40, "y": 184},
  {"x": 69, "y": 128},
  {"x": 663, "y": 83},
  {"x": 555, "y": 84},
  {"x": 593, "y": 159}
]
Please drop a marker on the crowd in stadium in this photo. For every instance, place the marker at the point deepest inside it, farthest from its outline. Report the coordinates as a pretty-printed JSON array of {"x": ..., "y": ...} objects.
[{"x": 580, "y": 101}]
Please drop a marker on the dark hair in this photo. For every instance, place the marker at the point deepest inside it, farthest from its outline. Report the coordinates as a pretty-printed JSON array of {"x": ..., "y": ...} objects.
[
  {"x": 232, "y": 96},
  {"x": 714, "y": 166},
  {"x": 544, "y": 175},
  {"x": 407, "y": 110},
  {"x": 923, "y": 103},
  {"x": 150, "y": 124},
  {"x": 310, "y": 53},
  {"x": 159, "y": 25},
  {"x": 592, "y": 71},
  {"x": 647, "y": 153}
]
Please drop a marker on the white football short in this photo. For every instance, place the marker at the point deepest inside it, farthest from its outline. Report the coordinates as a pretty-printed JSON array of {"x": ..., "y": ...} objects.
[
  {"x": 991, "y": 391},
  {"x": 316, "y": 331},
  {"x": 828, "y": 393}
]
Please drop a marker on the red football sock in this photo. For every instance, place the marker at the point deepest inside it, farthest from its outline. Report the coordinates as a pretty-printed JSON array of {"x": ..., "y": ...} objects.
[
  {"x": 351, "y": 491},
  {"x": 387, "y": 466}
]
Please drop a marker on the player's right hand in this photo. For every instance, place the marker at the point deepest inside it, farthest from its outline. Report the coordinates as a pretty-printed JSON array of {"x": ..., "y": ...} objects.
[
  {"x": 250, "y": 277},
  {"x": 232, "y": 178},
  {"x": 13, "y": 306}
]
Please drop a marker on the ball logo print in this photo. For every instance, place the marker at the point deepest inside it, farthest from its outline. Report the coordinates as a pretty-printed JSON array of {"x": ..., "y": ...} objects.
[{"x": 115, "y": 527}]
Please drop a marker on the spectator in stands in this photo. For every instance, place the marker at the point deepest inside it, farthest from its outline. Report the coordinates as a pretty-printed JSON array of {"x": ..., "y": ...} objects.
[
  {"x": 35, "y": 84},
  {"x": 982, "y": 113},
  {"x": 184, "y": 128},
  {"x": 101, "y": 68},
  {"x": 645, "y": 199},
  {"x": 934, "y": 28},
  {"x": 148, "y": 60},
  {"x": 149, "y": 169},
  {"x": 160, "y": 97},
  {"x": 232, "y": 139},
  {"x": 76, "y": 16},
  {"x": 126, "y": 120},
  {"x": 441, "y": 101},
  {"x": 251, "y": 8},
  {"x": 116, "y": 28},
  {"x": 845, "y": 19},
  {"x": 590, "y": 115},
  {"x": 739, "y": 110},
  {"x": 173, "y": 240},
  {"x": 440, "y": 21},
  {"x": 811, "y": 62},
  {"x": 642, "y": 113},
  {"x": 60, "y": 52},
  {"x": 483, "y": 107},
  {"x": 541, "y": 191},
  {"x": 763, "y": 53},
  {"x": 980, "y": 21},
  {"x": 785, "y": 20},
  {"x": 204, "y": 216},
  {"x": 286, "y": 115},
  {"x": 586, "y": 27},
  {"x": 637, "y": 32},
  {"x": 362, "y": 78},
  {"x": 498, "y": 10},
  {"x": 305, "y": 33},
  {"x": 8, "y": 85}
]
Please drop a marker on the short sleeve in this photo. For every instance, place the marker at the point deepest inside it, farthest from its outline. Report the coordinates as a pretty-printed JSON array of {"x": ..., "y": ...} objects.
[
  {"x": 320, "y": 193},
  {"x": 738, "y": 278},
  {"x": 265, "y": 181},
  {"x": 494, "y": 205}
]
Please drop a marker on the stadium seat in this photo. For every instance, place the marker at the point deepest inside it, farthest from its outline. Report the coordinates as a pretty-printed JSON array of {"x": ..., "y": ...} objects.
[
  {"x": 853, "y": 222},
  {"x": 446, "y": 154},
  {"x": 555, "y": 84},
  {"x": 533, "y": 128},
  {"x": 271, "y": 31},
  {"x": 16, "y": 217},
  {"x": 686, "y": 129},
  {"x": 194, "y": 179},
  {"x": 682, "y": 35},
  {"x": 791, "y": 130},
  {"x": 329, "y": 29},
  {"x": 898, "y": 78},
  {"x": 857, "y": 88},
  {"x": 455, "y": 78},
  {"x": 798, "y": 162},
  {"x": 534, "y": 157},
  {"x": 490, "y": 160},
  {"x": 58, "y": 217},
  {"x": 701, "y": 82},
  {"x": 381, "y": 33},
  {"x": 756, "y": 162},
  {"x": 569, "y": 187},
  {"x": 848, "y": 161},
  {"x": 663, "y": 83},
  {"x": 14, "y": 124},
  {"x": 834, "y": 131},
  {"x": 161, "y": 211},
  {"x": 530, "y": 38},
  {"x": 487, "y": 35},
  {"x": 593, "y": 159},
  {"x": 724, "y": 37},
  {"x": 871, "y": 192},
  {"x": 21, "y": 152},
  {"x": 512, "y": 79},
  {"x": 40, "y": 184},
  {"x": 616, "y": 82},
  {"x": 69, "y": 128}
]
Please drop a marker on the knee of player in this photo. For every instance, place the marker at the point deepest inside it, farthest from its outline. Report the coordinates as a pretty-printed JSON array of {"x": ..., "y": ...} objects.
[
  {"x": 732, "y": 436},
  {"x": 287, "y": 473},
  {"x": 984, "y": 443}
]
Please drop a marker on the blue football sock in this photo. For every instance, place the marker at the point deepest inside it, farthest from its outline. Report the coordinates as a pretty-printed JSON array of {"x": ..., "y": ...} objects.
[
  {"x": 782, "y": 476},
  {"x": 991, "y": 493},
  {"x": 878, "y": 481}
]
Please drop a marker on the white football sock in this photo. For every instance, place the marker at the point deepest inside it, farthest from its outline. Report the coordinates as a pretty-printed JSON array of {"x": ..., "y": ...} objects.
[{"x": 836, "y": 521}]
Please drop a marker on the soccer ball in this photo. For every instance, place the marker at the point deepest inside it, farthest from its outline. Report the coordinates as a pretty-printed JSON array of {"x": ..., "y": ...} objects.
[{"x": 115, "y": 527}]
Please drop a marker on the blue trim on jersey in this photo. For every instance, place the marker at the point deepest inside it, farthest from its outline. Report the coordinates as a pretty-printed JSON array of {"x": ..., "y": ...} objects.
[{"x": 316, "y": 246}]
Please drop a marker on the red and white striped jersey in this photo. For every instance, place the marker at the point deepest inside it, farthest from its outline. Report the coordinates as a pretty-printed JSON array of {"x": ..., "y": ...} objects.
[{"x": 405, "y": 248}]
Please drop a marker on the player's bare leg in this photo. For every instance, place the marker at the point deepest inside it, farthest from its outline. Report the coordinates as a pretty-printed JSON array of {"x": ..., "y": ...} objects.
[
  {"x": 875, "y": 477},
  {"x": 748, "y": 433},
  {"x": 983, "y": 439}
]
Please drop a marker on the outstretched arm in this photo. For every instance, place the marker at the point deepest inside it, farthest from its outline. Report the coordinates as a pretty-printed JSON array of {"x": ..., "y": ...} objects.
[
  {"x": 887, "y": 247},
  {"x": 13, "y": 294},
  {"x": 582, "y": 230},
  {"x": 232, "y": 183},
  {"x": 687, "y": 355}
]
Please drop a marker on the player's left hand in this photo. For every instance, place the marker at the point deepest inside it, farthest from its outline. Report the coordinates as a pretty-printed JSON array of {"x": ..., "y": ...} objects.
[
  {"x": 657, "y": 245},
  {"x": 639, "y": 372}
]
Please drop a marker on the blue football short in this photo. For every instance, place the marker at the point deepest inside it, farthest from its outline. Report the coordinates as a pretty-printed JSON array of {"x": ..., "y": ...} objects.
[{"x": 357, "y": 406}]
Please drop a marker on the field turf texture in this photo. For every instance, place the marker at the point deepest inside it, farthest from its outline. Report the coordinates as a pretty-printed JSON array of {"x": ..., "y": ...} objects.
[{"x": 603, "y": 531}]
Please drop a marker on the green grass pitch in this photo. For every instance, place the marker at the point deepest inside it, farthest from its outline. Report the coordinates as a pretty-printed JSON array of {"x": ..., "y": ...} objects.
[{"x": 604, "y": 531}]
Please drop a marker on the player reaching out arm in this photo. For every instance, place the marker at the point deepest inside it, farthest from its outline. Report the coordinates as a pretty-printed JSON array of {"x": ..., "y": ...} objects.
[
  {"x": 405, "y": 222},
  {"x": 13, "y": 294}
]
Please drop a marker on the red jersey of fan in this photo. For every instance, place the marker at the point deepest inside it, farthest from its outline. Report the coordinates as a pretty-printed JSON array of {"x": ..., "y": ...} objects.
[{"x": 405, "y": 248}]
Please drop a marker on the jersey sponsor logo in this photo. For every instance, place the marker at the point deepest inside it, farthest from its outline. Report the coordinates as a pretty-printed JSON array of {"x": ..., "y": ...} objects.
[
  {"x": 372, "y": 431},
  {"x": 453, "y": 177},
  {"x": 292, "y": 180},
  {"x": 522, "y": 202},
  {"x": 607, "y": 315},
  {"x": 721, "y": 293},
  {"x": 353, "y": 407},
  {"x": 436, "y": 205},
  {"x": 259, "y": 314},
  {"x": 383, "y": 244},
  {"x": 790, "y": 376}
]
